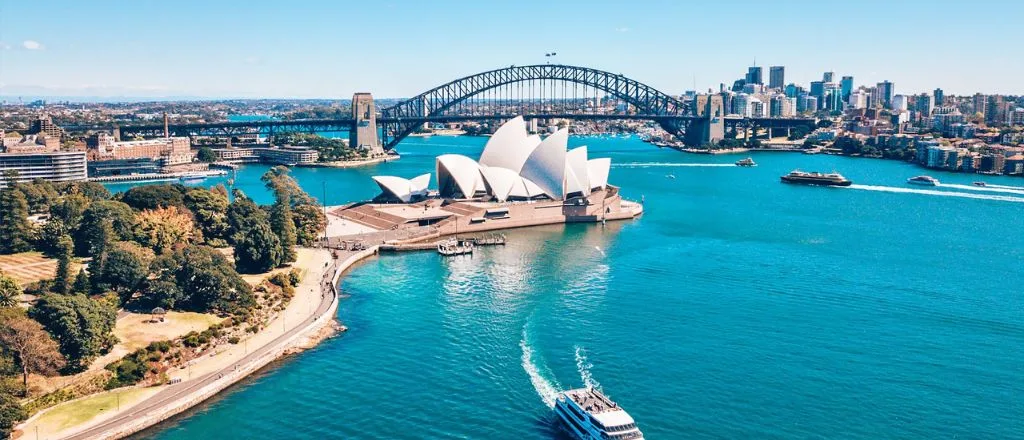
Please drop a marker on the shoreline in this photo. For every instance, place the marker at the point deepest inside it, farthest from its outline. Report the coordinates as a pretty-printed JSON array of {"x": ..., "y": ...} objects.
[
  {"x": 168, "y": 401},
  {"x": 356, "y": 163}
]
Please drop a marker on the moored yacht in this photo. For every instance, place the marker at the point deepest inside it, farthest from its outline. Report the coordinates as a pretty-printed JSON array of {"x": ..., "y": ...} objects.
[
  {"x": 923, "y": 180},
  {"x": 589, "y": 415}
]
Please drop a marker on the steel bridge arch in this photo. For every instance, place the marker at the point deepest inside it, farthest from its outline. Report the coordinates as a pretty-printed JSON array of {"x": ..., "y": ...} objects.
[{"x": 404, "y": 117}]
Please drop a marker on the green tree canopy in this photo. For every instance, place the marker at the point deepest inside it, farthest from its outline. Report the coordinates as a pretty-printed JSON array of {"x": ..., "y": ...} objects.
[
  {"x": 207, "y": 282},
  {"x": 257, "y": 248},
  {"x": 15, "y": 229},
  {"x": 80, "y": 325},
  {"x": 102, "y": 220},
  {"x": 154, "y": 196},
  {"x": 207, "y": 155},
  {"x": 126, "y": 267},
  {"x": 35, "y": 350},
  {"x": 9, "y": 291},
  {"x": 210, "y": 209}
]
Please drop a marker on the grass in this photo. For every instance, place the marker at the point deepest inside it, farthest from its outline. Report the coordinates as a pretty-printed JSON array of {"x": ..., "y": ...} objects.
[
  {"x": 28, "y": 267},
  {"x": 75, "y": 413},
  {"x": 134, "y": 331}
]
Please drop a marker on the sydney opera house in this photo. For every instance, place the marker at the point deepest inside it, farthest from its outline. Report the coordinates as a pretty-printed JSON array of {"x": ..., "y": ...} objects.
[
  {"x": 513, "y": 166},
  {"x": 519, "y": 180}
]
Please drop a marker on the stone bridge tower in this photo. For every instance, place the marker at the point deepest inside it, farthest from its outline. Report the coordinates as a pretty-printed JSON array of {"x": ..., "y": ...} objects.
[{"x": 364, "y": 134}]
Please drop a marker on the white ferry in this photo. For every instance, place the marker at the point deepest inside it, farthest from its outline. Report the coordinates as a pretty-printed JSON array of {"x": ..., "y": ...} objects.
[
  {"x": 923, "y": 180},
  {"x": 589, "y": 415}
]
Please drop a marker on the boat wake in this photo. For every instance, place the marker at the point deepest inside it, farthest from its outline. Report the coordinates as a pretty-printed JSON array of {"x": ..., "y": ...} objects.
[
  {"x": 987, "y": 188},
  {"x": 601, "y": 251},
  {"x": 547, "y": 389},
  {"x": 668, "y": 164},
  {"x": 932, "y": 192},
  {"x": 584, "y": 366},
  {"x": 1018, "y": 188}
]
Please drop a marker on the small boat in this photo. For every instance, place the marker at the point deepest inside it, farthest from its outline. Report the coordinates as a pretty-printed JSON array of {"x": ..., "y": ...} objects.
[
  {"x": 670, "y": 176},
  {"x": 587, "y": 414},
  {"x": 979, "y": 183},
  {"x": 748, "y": 162},
  {"x": 816, "y": 178},
  {"x": 193, "y": 178},
  {"x": 923, "y": 180}
]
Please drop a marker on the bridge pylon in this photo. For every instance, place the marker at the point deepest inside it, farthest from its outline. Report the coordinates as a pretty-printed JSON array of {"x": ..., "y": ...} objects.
[{"x": 364, "y": 133}]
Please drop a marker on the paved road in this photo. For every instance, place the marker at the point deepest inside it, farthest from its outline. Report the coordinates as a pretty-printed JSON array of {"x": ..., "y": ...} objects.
[{"x": 180, "y": 390}]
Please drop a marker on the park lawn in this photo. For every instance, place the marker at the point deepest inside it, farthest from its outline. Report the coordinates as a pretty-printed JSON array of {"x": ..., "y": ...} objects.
[
  {"x": 80, "y": 411},
  {"x": 134, "y": 331},
  {"x": 28, "y": 267}
]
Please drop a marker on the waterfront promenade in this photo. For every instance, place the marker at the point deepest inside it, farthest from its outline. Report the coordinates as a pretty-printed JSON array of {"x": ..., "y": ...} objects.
[{"x": 299, "y": 326}]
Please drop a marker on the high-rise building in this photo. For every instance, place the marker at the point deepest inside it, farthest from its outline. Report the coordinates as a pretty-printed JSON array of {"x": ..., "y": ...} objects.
[
  {"x": 940, "y": 98},
  {"x": 899, "y": 103},
  {"x": 885, "y": 92},
  {"x": 858, "y": 100},
  {"x": 755, "y": 75},
  {"x": 777, "y": 77},
  {"x": 818, "y": 91},
  {"x": 923, "y": 105},
  {"x": 793, "y": 90},
  {"x": 979, "y": 102},
  {"x": 846, "y": 87},
  {"x": 828, "y": 77}
]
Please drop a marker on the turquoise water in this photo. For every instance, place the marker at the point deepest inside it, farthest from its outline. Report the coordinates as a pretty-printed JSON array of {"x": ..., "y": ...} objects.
[{"x": 736, "y": 307}]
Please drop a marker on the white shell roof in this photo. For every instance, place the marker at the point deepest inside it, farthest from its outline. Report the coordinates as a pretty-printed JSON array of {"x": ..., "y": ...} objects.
[
  {"x": 500, "y": 180},
  {"x": 598, "y": 169},
  {"x": 509, "y": 146},
  {"x": 576, "y": 175},
  {"x": 463, "y": 170},
  {"x": 546, "y": 164},
  {"x": 401, "y": 188}
]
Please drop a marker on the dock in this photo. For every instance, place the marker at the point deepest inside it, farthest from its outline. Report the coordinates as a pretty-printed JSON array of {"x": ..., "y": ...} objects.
[{"x": 448, "y": 247}]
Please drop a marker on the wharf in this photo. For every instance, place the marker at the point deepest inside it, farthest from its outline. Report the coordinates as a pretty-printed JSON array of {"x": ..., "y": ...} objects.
[{"x": 157, "y": 177}]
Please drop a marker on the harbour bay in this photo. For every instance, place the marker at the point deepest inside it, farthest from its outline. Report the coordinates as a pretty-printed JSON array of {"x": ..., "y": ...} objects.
[{"x": 736, "y": 307}]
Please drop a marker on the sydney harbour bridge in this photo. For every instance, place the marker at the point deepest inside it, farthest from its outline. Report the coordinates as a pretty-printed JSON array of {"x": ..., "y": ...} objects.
[{"x": 545, "y": 91}]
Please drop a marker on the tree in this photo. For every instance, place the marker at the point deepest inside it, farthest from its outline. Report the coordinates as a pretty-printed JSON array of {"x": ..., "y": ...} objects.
[
  {"x": 90, "y": 190},
  {"x": 161, "y": 228},
  {"x": 282, "y": 224},
  {"x": 309, "y": 224},
  {"x": 11, "y": 412},
  {"x": 154, "y": 196},
  {"x": 160, "y": 293},
  {"x": 243, "y": 212},
  {"x": 9, "y": 291},
  {"x": 210, "y": 209},
  {"x": 207, "y": 282},
  {"x": 82, "y": 283},
  {"x": 126, "y": 267},
  {"x": 39, "y": 194},
  {"x": 207, "y": 155},
  {"x": 257, "y": 248},
  {"x": 62, "y": 279},
  {"x": 35, "y": 350},
  {"x": 102, "y": 222},
  {"x": 69, "y": 209},
  {"x": 80, "y": 325},
  {"x": 15, "y": 230}
]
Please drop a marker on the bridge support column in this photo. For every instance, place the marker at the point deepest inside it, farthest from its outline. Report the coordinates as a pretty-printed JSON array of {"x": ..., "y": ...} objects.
[
  {"x": 364, "y": 134},
  {"x": 710, "y": 129},
  {"x": 769, "y": 133}
]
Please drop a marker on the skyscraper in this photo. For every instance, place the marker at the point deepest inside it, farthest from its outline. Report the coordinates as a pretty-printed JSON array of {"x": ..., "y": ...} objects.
[
  {"x": 940, "y": 98},
  {"x": 885, "y": 94},
  {"x": 777, "y": 77},
  {"x": 979, "y": 103},
  {"x": 755, "y": 75},
  {"x": 828, "y": 77},
  {"x": 818, "y": 92},
  {"x": 846, "y": 87}
]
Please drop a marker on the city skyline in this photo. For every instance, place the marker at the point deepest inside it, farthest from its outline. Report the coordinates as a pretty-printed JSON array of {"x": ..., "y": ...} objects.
[{"x": 321, "y": 50}]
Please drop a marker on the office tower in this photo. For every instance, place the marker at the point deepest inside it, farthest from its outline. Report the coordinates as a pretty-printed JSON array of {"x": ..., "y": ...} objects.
[
  {"x": 754, "y": 75},
  {"x": 940, "y": 98},
  {"x": 846, "y": 87},
  {"x": 884, "y": 92},
  {"x": 777, "y": 77},
  {"x": 828, "y": 77}
]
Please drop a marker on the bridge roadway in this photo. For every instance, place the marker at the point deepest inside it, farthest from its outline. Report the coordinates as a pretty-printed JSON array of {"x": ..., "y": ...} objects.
[{"x": 234, "y": 128}]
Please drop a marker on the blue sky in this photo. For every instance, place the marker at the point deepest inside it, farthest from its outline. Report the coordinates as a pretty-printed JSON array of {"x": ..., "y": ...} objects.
[{"x": 396, "y": 48}]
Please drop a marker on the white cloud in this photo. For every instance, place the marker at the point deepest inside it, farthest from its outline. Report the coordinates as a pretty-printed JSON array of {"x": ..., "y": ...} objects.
[
  {"x": 32, "y": 45},
  {"x": 622, "y": 29},
  {"x": 4, "y": 46}
]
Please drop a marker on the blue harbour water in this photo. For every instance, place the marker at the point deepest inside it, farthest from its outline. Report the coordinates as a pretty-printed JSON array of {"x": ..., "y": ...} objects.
[{"x": 736, "y": 307}]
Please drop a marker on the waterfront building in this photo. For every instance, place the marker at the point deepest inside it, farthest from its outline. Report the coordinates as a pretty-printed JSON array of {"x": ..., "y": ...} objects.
[
  {"x": 236, "y": 155},
  {"x": 922, "y": 145},
  {"x": 1014, "y": 164},
  {"x": 288, "y": 155},
  {"x": 846, "y": 87},
  {"x": 754, "y": 75},
  {"x": 169, "y": 151},
  {"x": 992, "y": 163},
  {"x": 60, "y": 166},
  {"x": 517, "y": 166},
  {"x": 941, "y": 156},
  {"x": 123, "y": 167},
  {"x": 776, "y": 77}
]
